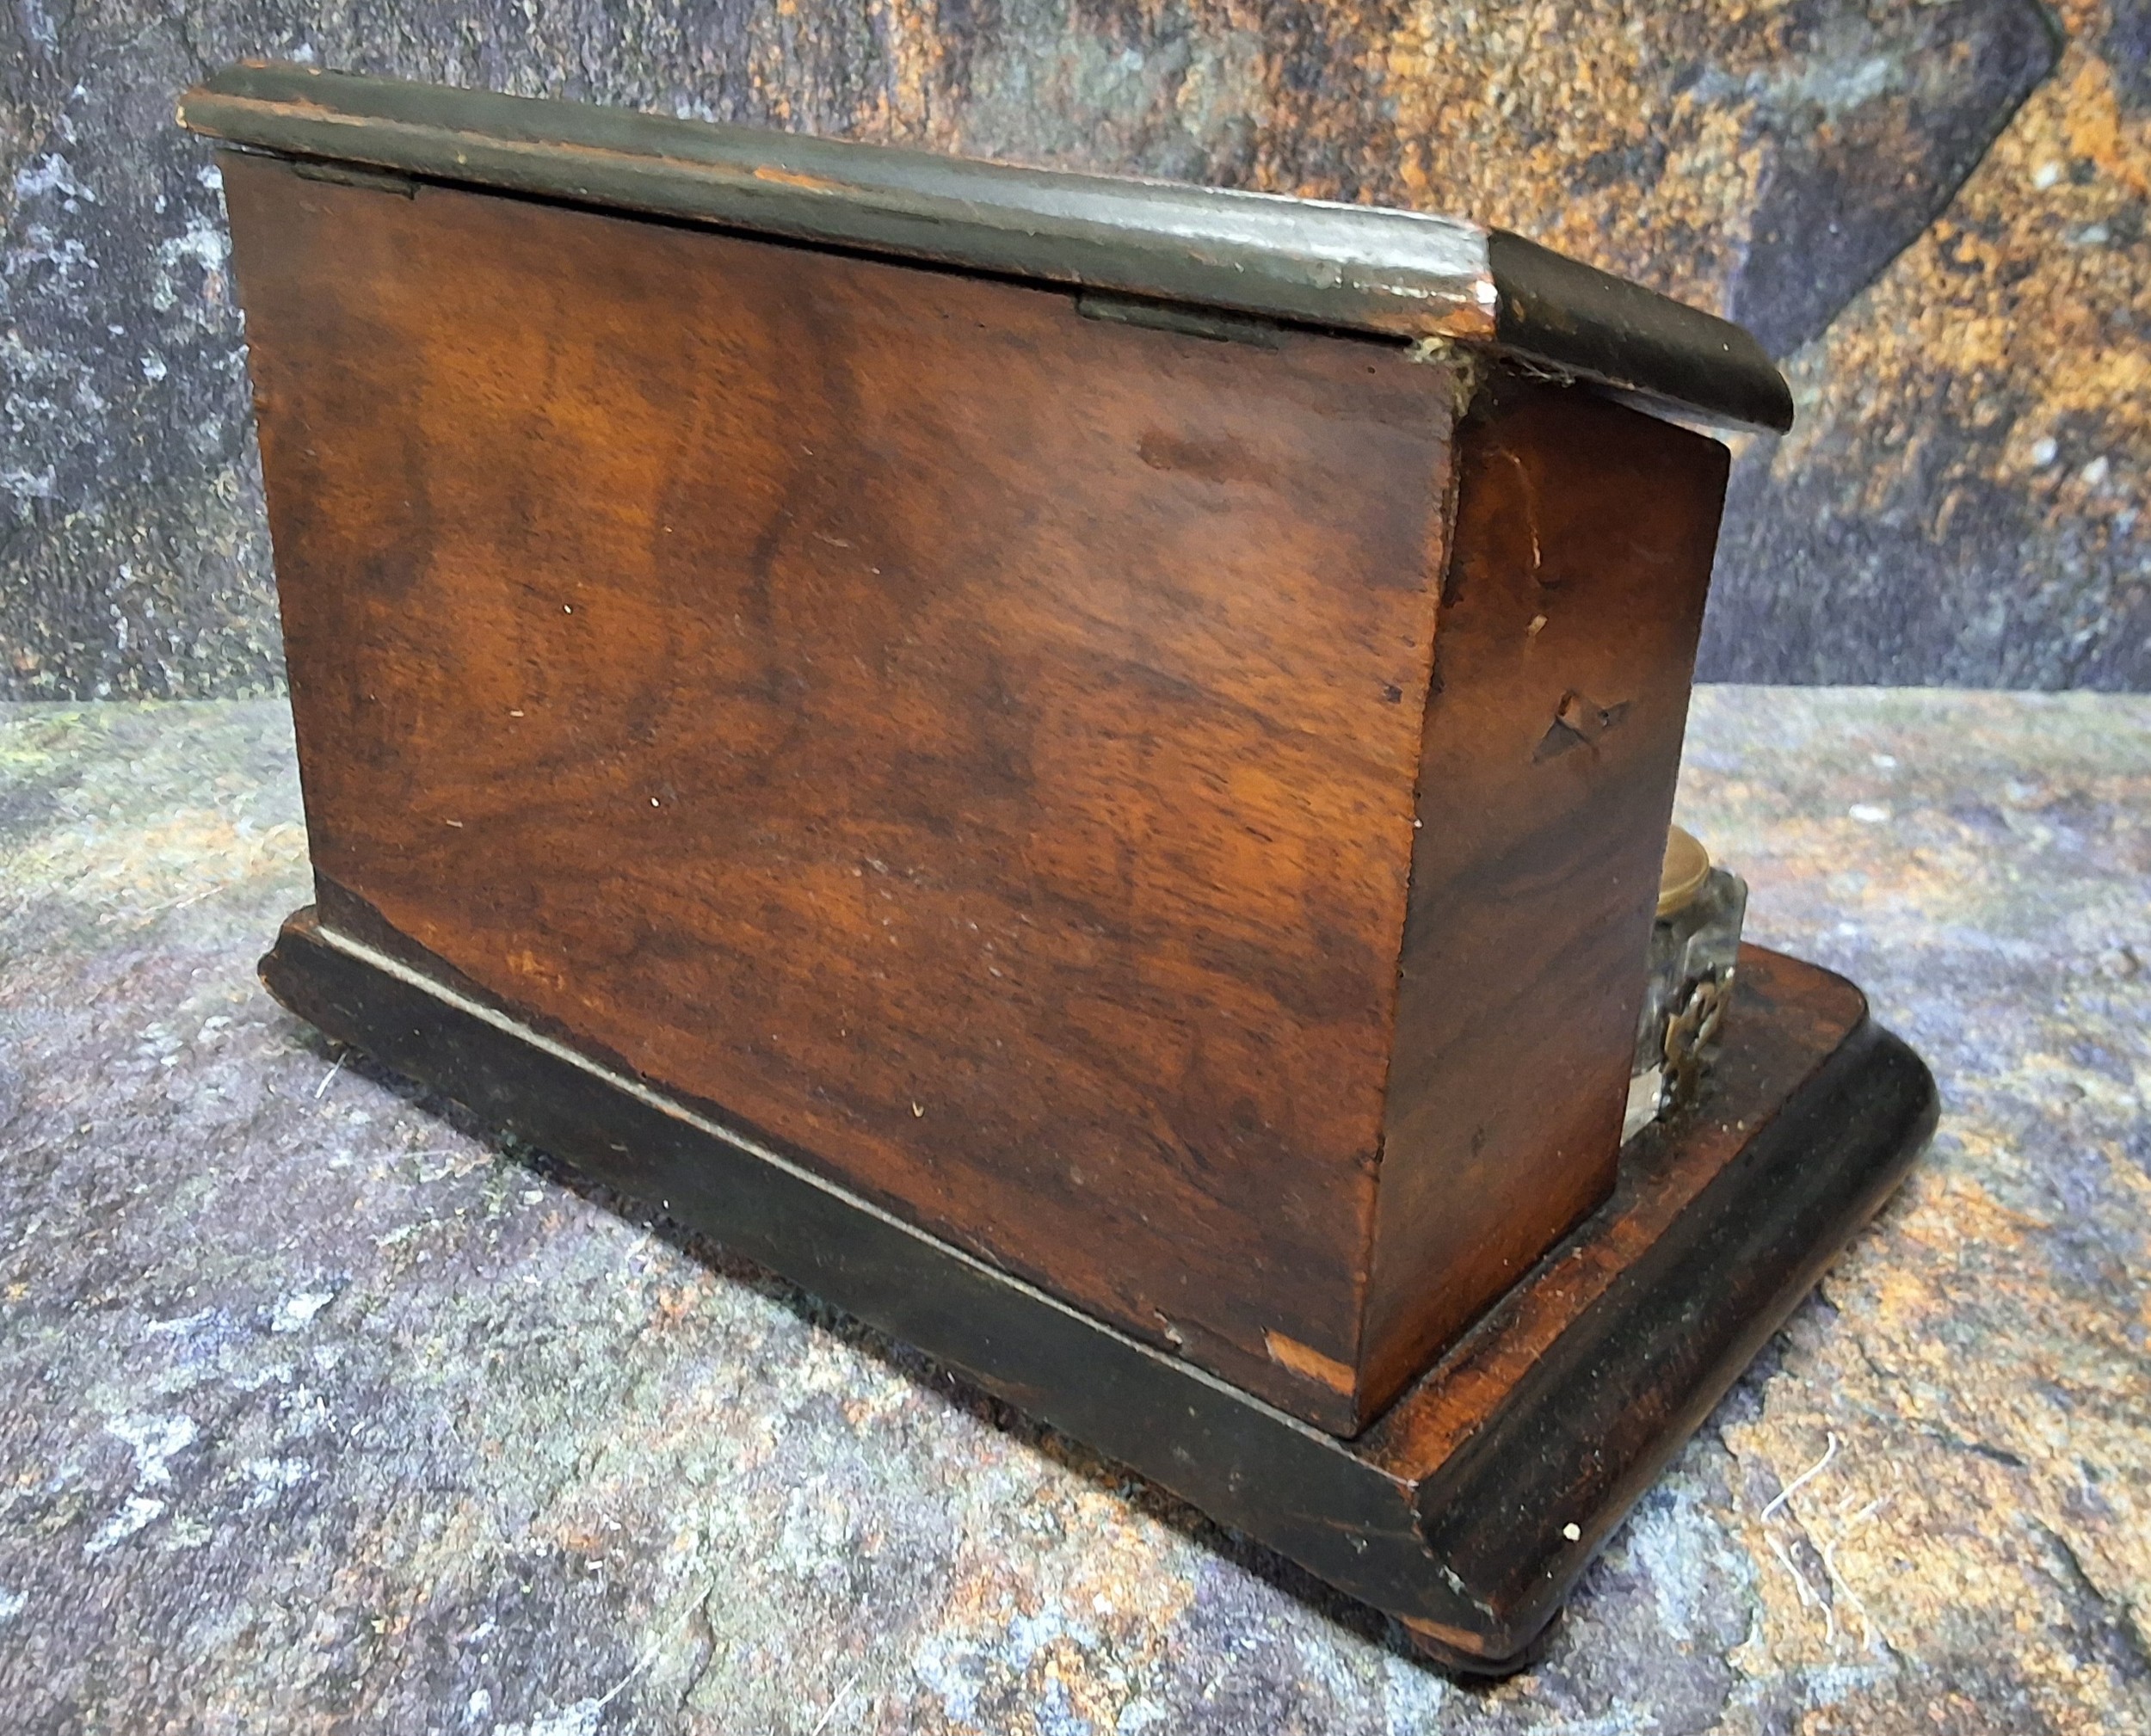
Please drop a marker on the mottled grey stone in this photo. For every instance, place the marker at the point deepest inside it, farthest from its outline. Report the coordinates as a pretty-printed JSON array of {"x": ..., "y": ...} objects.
[
  {"x": 132, "y": 553},
  {"x": 2128, "y": 50},
  {"x": 319, "y": 1409},
  {"x": 1871, "y": 148},
  {"x": 1769, "y": 161}
]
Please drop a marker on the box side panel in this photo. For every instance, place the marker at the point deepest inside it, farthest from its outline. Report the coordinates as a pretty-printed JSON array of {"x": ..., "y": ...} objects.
[
  {"x": 971, "y": 743},
  {"x": 1583, "y": 542}
]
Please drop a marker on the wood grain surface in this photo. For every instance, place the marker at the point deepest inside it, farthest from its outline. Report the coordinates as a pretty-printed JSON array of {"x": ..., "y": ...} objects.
[
  {"x": 971, "y": 742},
  {"x": 1583, "y": 539},
  {"x": 1785, "y": 1018},
  {"x": 1026, "y": 764}
]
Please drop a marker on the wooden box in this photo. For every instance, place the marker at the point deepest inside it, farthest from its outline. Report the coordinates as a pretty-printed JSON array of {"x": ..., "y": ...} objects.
[{"x": 1128, "y": 729}]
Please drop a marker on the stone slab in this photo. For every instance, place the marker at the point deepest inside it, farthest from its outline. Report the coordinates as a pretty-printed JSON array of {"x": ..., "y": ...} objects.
[{"x": 318, "y": 1411}]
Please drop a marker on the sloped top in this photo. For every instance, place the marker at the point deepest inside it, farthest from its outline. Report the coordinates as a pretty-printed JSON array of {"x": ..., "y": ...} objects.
[{"x": 1363, "y": 268}]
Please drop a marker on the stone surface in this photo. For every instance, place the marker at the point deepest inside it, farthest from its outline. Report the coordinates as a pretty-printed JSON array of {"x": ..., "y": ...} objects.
[
  {"x": 1961, "y": 501},
  {"x": 319, "y": 1411},
  {"x": 1962, "y": 498}
]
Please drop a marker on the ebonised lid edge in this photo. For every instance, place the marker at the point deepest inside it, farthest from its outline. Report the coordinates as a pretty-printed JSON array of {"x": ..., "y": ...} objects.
[{"x": 1393, "y": 273}]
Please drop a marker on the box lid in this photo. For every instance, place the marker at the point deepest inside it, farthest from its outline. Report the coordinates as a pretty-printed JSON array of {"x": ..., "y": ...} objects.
[{"x": 1400, "y": 274}]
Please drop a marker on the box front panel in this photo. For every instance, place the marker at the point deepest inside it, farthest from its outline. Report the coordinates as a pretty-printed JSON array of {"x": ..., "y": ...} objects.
[
  {"x": 1583, "y": 540},
  {"x": 971, "y": 743}
]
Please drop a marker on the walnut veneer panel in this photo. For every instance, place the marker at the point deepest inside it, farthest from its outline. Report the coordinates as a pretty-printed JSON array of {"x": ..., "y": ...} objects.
[
  {"x": 1584, "y": 533},
  {"x": 971, "y": 743}
]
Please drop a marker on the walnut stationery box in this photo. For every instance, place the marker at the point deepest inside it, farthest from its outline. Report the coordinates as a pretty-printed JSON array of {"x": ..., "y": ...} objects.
[{"x": 1081, "y": 767}]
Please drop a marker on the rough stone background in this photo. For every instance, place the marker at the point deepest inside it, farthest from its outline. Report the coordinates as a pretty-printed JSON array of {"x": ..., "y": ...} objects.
[
  {"x": 320, "y": 1412},
  {"x": 1934, "y": 211}
]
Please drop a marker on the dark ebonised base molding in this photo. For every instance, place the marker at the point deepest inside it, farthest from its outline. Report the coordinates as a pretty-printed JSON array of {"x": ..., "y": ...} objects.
[{"x": 1468, "y": 1509}]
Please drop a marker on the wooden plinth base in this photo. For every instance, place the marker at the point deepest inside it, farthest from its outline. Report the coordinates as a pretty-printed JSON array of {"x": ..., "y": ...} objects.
[{"x": 1468, "y": 1508}]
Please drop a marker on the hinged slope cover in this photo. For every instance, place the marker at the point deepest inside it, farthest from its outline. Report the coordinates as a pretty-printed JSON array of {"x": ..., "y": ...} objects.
[{"x": 1395, "y": 274}]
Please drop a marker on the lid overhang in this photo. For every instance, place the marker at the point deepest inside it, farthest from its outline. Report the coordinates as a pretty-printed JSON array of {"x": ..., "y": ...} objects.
[{"x": 1396, "y": 274}]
